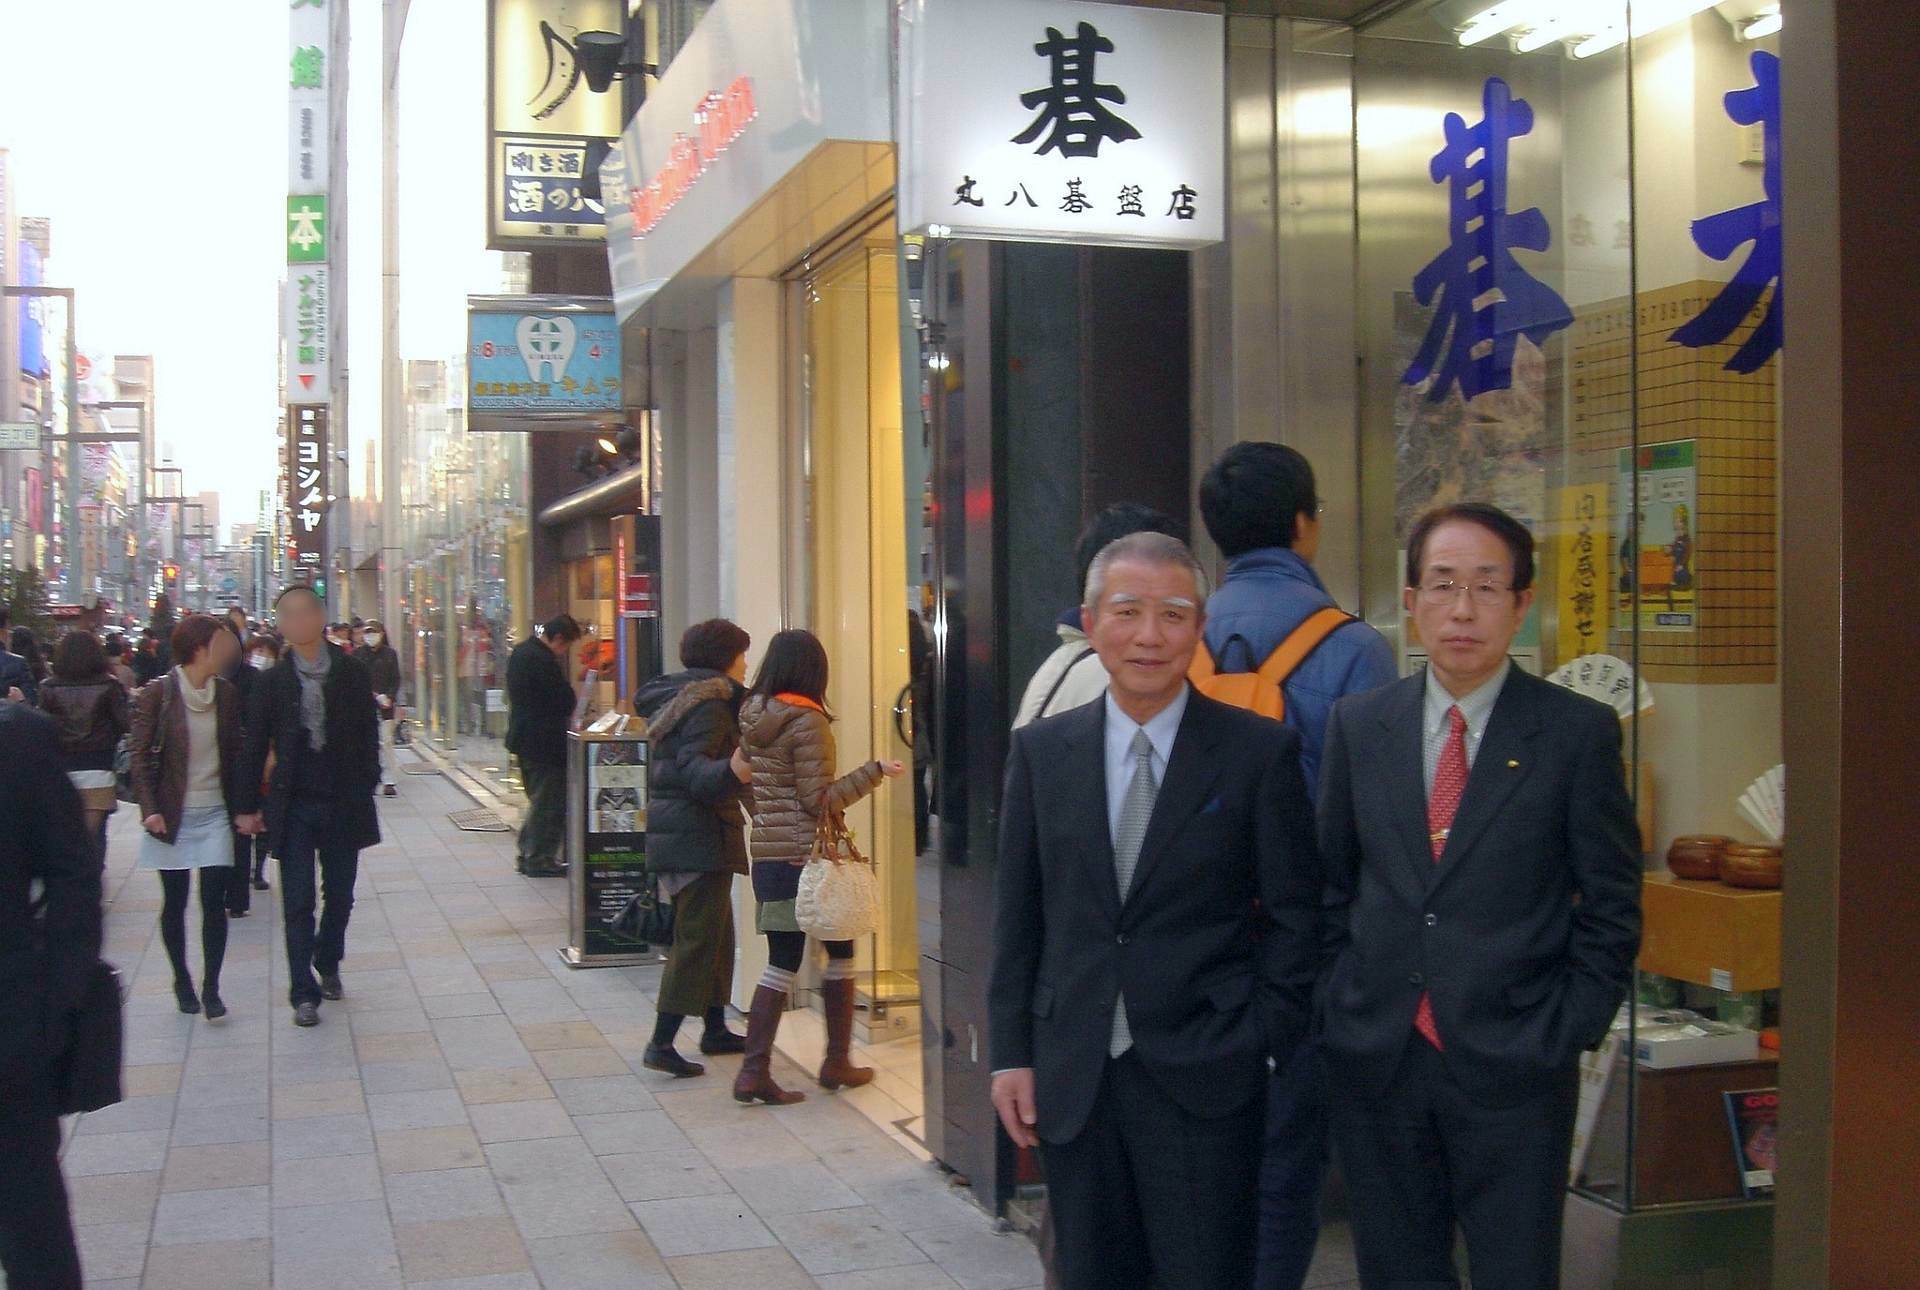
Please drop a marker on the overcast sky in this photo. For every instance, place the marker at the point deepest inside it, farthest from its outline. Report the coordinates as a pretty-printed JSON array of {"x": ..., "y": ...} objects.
[{"x": 155, "y": 138}]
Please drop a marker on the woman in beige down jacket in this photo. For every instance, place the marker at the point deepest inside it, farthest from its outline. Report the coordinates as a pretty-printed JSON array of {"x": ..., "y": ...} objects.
[{"x": 786, "y": 751}]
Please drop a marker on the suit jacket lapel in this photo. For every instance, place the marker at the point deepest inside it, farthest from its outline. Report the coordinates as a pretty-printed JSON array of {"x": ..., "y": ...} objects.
[
  {"x": 1084, "y": 771},
  {"x": 1191, "y": 772},
  {"x": 1504, "y": 760},
  {"x": 1406, "y": 779}
]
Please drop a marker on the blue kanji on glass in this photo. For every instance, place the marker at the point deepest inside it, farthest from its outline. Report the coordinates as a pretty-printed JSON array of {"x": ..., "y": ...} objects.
[
  {"x": 1483, "y": 301},
  {"x": 1759, "y": 223}
]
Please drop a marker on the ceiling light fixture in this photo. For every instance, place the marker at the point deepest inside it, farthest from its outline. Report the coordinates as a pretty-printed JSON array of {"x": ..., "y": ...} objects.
[
  {"x": 1648, "y": 16},
  {"x": 1765, "y": 25}
]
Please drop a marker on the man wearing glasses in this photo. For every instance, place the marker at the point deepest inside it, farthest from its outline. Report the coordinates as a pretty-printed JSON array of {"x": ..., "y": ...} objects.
[{"x": 1483, "y": 913}]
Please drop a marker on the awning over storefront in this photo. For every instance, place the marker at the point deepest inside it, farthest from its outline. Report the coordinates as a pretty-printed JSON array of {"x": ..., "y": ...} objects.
[
  {"x": 770, "y": 130},
  {"x": 626, "y": 490}
]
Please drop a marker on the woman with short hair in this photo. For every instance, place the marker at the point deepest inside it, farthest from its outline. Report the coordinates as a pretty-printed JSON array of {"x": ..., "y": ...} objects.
[
  {"x": 696, "y": 839},
  {"x": 186, "y": 750}
]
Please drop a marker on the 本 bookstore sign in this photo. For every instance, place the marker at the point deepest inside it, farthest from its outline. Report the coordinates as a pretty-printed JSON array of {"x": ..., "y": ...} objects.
[{"x": 1062, "y": 121}]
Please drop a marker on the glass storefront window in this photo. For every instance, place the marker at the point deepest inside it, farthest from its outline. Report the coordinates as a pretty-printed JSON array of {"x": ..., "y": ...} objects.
[{"x": 1568, "y": 260}]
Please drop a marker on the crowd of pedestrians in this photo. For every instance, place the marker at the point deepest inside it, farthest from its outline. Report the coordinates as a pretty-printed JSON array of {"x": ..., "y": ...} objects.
[{"x": 1253, "y": 888}]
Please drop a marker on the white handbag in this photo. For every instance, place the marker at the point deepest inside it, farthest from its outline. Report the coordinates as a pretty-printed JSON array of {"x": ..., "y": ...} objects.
[{"x": 838, "y": 898}]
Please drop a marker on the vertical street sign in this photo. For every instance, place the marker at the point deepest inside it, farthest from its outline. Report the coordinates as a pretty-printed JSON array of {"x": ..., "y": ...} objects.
[
  {"x": 307, "y": 500},
  {"x": 305, "y": 314}
]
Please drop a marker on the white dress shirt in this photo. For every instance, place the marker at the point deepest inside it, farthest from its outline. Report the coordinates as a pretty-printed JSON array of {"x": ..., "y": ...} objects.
[
  {"x": 1476, "y": 707},
  {"x": 1161, "y": 729}
]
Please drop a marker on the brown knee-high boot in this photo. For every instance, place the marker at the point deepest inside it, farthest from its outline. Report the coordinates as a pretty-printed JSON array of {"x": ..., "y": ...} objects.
[
  {"x": 755, "y": 1083},
  {"x": 837, "y": 1071}
]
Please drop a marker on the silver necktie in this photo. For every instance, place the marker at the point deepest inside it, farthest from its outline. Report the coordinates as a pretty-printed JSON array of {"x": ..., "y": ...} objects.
[{"x": 1135, "y": 813}]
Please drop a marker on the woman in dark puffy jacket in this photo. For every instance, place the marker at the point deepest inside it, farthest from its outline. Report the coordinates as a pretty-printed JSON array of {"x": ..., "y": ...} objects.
[
  {"x": 696, "y": 833},
  {"x": 786, "y": 744},
  {"x": 91, "y": 708}
]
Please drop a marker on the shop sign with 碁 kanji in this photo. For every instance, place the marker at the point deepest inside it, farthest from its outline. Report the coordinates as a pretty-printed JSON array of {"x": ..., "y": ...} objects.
[{"x": 1062, "y": 121}]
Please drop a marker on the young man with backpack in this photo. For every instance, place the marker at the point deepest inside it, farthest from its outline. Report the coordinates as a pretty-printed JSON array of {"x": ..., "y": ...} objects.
[{"x": 1275, "y": 642}]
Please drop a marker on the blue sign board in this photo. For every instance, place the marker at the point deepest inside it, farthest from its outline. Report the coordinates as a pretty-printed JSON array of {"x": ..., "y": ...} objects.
[{"x": 555, "y": 362}]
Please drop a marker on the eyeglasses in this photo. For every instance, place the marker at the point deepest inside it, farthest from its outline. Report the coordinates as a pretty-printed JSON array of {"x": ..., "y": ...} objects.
[{"x": 1485, "y": 594}]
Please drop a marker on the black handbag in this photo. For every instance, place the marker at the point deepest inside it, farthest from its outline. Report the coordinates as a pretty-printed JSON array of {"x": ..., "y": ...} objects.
[
  {"x": 86, "y": 1074},
  {"x": 647, "y": 917}
]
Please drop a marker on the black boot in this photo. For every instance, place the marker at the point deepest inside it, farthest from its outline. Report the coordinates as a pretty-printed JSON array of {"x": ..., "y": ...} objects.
[
  {"x": 716, "y": 1039},
  {"x": 183, "y": 993}
]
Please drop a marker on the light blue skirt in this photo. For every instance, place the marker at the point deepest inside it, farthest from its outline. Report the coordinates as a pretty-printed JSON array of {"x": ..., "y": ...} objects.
[{"x": 206, "y": 840}]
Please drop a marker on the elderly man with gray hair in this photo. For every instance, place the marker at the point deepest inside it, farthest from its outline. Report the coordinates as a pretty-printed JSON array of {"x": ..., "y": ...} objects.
[{"x": 1156, "y": 910}]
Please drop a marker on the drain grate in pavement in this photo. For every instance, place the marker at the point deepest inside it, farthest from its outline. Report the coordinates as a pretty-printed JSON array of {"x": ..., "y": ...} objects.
[{"x": 478, "y": 820}]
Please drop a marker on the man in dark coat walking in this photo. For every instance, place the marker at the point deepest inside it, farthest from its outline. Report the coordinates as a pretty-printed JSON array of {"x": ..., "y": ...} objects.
[
  {"x": 539, "y": 712},
  {"x": 314, "y": 709},
  {"x": 46, "y": 954}
]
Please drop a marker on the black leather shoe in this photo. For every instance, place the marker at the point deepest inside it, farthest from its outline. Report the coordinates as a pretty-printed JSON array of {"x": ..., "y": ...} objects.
[
  {"x": 189, "y": 1001},
  {"x": 306, "y": 1014},
  {"x": 717, "y": 1043},
  {"x": 330, "y": 987},
  {"x": 261, "y": 884},
  {"x": 215, "y": 1008},
  {"x": 669, "y": 1061}
]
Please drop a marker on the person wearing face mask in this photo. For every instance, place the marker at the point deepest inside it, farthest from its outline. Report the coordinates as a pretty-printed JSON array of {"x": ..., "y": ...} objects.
[
  {"x": 250, "y": 853},
  {"x": 383, "y": 662}
]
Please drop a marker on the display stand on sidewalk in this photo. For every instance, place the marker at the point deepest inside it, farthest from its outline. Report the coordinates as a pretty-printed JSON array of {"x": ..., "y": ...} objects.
[{"x": 606, "y": 845}]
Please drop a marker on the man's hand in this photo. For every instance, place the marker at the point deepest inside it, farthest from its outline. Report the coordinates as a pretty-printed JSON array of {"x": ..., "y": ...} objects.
[
  {"x": 1013, "y": 1099},
  {"x": 249, "y": 825},
  {"x": 155, "y": 824},
  {"x": 742, "y": 768},
  {"x": 15, "y": 694}
]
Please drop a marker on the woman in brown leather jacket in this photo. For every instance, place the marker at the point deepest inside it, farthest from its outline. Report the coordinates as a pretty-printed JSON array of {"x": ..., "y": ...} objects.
[
  {"x": 90, "y": 706},
  {"x": 186, "y": 755},
  {"x": 787, "y": 753}
]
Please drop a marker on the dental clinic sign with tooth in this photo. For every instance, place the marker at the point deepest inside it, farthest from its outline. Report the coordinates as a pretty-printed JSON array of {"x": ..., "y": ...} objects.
[{"x": 541, "y": 358}]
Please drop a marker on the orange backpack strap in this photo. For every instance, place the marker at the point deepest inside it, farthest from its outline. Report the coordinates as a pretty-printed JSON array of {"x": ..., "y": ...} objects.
[
  {"x": 1305, "y": 639},
  {"x": 1203, "y": 669}
]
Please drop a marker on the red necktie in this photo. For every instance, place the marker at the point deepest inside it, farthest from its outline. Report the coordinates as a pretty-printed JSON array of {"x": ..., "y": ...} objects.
[{"x": 1449, "y": 782}]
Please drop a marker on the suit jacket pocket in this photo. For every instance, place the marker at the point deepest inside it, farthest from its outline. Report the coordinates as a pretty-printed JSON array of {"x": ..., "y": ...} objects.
[
  {"x": 1231, "y": 994},
  {"x": 1535, "y": 990}
]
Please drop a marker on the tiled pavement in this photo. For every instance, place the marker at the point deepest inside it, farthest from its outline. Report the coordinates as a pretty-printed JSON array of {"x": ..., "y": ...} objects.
[{"x": 473, "y": 1115}]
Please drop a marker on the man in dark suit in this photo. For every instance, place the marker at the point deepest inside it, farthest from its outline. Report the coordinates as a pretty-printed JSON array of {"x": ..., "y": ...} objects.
[
  {"x": 1483, "y": 915},
  {"x": 540, "y": 704},
  {"x": 1156, "y": 905}
]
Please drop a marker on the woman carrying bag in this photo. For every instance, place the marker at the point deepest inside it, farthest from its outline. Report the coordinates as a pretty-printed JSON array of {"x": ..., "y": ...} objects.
[
  {"x": 787, "y": 750},
  {"x": 90, "y": 706},
  {"x": 186, "y": 749}
]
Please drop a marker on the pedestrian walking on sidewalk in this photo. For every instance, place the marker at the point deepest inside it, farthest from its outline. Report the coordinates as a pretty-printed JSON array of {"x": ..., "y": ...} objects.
[
  {"x": 186, "y": 751},
  {"x": 383, "y": 665},
  {"x": 696, "y": 833},
  {"x": 786, "y": 746},
  {"x": 539, "y": 713},
  {"x": 313, "y": 711},
  {"x": 250, "y": 852},
  {"x": 49, "y": 941},
  {"x": 91, "y": 707}
]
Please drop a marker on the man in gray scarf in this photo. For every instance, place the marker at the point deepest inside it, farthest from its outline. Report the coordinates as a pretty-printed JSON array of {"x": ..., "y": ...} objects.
[{"x": 315, "y": 710}]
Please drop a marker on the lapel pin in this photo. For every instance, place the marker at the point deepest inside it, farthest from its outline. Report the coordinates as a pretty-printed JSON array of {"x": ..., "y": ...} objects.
[{"x": 1513, "y": 765}]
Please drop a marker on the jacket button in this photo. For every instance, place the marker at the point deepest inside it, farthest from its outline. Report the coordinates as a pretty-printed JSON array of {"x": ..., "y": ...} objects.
[
  {"x": 1416, "y": 979},
  {"x": 1433, "y": 920},
  {"x": 1121, "y": 939}
]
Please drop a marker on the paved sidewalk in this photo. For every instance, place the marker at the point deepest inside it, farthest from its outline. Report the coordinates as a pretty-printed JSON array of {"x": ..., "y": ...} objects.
[{"x": 473, "y": 1115}]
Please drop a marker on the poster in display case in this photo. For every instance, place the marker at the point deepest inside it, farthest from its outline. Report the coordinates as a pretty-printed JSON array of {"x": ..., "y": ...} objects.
[{"x": 606, "y": 845}]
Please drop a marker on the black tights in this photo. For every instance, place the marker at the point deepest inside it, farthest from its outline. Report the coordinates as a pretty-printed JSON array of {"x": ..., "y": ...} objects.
[
  {"x": 786, "y": 949},
  {"x": 213, "y": 922}
]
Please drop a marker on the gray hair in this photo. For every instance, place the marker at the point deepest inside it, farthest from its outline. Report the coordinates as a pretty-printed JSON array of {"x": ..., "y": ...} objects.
[{"x": 1145, "y": 547}]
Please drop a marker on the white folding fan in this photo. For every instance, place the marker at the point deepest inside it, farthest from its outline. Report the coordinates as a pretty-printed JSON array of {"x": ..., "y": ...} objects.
[
  {"x": 1765, "y": 803},
  {"x": 1608, "y": 679}
]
